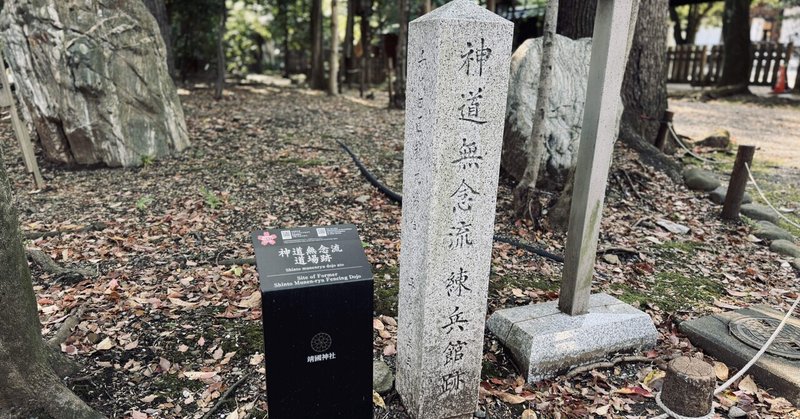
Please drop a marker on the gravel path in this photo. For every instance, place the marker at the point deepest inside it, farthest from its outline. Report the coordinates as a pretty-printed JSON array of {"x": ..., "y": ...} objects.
[{"x": 773, "y": 129}]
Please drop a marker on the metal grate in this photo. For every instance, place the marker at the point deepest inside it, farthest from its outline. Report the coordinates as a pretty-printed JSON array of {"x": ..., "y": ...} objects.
[{"x": 755, "y": 331}]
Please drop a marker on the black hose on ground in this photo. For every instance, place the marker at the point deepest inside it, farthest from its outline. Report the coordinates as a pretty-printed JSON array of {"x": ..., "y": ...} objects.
[{"x": 398, "y": 198}]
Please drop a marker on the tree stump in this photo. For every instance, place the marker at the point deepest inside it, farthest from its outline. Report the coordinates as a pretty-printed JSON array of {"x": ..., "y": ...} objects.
[{"x": 689, "y": 387}]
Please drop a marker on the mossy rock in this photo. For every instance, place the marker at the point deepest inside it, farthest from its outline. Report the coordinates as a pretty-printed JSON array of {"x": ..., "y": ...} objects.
[{"x": 700, "y": 180}]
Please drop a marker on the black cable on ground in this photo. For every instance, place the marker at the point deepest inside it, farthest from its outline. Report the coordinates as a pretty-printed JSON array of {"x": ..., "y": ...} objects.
[
  {"x": 394, "y": 196},
  {"x": 398, "y": 198}
]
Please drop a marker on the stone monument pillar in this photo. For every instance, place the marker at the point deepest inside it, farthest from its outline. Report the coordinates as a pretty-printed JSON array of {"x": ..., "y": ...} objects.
[{"x": 458, "y": 68}]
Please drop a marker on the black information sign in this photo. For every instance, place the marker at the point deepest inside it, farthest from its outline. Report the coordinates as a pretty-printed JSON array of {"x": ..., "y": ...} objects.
[{"x": 316, "y": 289}]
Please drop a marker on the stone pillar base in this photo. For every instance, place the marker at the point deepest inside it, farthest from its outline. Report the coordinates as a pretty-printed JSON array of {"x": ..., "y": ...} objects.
[{"x": 546, "y": 342}]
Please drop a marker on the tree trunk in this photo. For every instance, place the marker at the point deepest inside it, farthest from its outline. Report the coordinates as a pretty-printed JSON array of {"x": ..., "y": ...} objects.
[
  {"x": 159, "y": 11},
  {"x": 644, "y": 89},
  {"x": 349, "y": 37},
  {"x": 426, "y": 6},
  {"x": 30, "y": 385},
  {"x": 366, "y": 44},
  {"x": 677, "y": 26},
  {"x": 220, "y": 84},
  {"x": 333, "y": 76},
  {"x": 523, "y": 193},
  {"x": 491, "y": 5},
  {"x": 317, "y": 62},
  {"x": 736, "y": 59},
  {"x": 283, "y": 18},
  {"x": 402, "y": 53},
  {"x": 94, "y": 94},
  {"x": 576, "y": 18}
]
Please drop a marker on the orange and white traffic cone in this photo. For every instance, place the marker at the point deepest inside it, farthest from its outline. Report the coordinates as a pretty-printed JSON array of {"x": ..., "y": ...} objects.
[{"x": 780, "y": 86}]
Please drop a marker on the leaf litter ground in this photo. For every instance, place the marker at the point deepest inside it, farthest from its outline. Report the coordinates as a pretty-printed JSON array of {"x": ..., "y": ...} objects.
[{"x": 167, "y": 329}]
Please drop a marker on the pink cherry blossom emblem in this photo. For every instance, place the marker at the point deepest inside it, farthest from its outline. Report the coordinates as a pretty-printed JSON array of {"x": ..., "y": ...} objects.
[{"x": 267, "y": 239}]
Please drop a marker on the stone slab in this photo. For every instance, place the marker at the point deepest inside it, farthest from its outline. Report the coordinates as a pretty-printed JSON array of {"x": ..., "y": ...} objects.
[
  {"x": 700, "y": 180},
  {"x": 780, "y": 375},
  {"x": 545, "y": 342}
]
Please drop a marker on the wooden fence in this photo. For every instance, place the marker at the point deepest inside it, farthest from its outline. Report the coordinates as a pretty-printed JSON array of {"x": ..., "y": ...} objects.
[{"x": 702, "y": 66}]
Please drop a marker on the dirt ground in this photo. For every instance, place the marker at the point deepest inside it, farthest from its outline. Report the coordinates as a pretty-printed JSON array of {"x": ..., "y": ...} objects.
[
  {"x": 168, "y": 328},
  {"x": 775, "y": 130}
]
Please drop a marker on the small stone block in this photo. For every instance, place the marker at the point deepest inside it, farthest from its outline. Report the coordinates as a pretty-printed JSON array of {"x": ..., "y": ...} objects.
[
  {"x": 545, "y": 342},
  {"x": 711, "y": 333}
]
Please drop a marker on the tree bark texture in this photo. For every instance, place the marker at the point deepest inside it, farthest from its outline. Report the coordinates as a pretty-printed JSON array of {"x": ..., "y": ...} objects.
[
  {"x": 536, "y": 143},
  {"x": 576, "y": 18},
  {"x": 689, "y": 387},
  {"x": 333, "y": 76},
  {"x": 159, "y": 11},
  {"x": 317, "y": 61},
  {"x": 220, "y": 83},
  {"x": 349, "y": 38},
  {"x": 402, "y": 55},
  {"x": 92, "y": 80},
  {"x": 644, "y": 89},
  {"x": 283, "y": 18},
  {"x": 736, "y": 61},
  {"x": 29, "y": 387}
]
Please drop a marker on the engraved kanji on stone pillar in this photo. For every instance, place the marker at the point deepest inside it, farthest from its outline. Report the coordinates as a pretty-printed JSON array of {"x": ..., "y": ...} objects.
[{"x": 458, "y": 67}]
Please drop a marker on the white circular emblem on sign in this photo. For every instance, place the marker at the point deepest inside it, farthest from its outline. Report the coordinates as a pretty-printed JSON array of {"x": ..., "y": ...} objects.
[{"x": 321, "y": 342}]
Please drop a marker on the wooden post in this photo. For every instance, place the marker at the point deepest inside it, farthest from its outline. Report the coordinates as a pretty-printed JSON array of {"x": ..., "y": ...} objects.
[
  {"x": 689, "y": 387},
  {"x": 663, "y": 130},
  {"x": 612, "y": 28},
  {"x": 19, "y": 129},
  {"x": 738, "y": 182}
]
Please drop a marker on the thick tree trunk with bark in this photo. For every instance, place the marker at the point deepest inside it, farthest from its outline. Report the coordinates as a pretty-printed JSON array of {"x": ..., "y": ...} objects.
[
  {"x": 736, "y": 60},
  {"x": 96, "y": 90},
  {"x": 366, "y": 43},
  {"x": 30, "y": 386},
  {"x": 159, "y": 11},
  {"x": 576, "y": 18},
  {"x": 333, "y": 76},
  {"x": 317, "y": 61}
]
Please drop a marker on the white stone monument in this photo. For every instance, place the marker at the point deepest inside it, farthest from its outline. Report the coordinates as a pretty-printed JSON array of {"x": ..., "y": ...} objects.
[
  {"x": 458, "y": 69},
  {"x": 581, "y": 328}
]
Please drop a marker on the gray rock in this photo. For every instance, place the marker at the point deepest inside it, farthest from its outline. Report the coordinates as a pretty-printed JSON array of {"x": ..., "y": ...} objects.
[
  {"x": 718, "y": 195},
  {"x": 480, "y": 414},
  {"x": 382, "y": 377},
  {"x": 736, "y": 412},
  {"x": 673, "y": 227},
  {"x": 96, "y": 88},
  {"x": 720, "y": 138},
  {"x": 570, "y": 75},
  {"x": 759, "y": 212},
  {"x": 700, "y": 180},
  {"x": 768, "y": 231},
  {"x": 795, "y": 264},
  {"x": 786, "y": 248}
]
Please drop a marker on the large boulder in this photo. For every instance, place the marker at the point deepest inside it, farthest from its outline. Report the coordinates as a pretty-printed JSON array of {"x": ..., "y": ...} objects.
[
  {"x": 92, "y": 76},
  {"x": 565, "y": 104}
]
